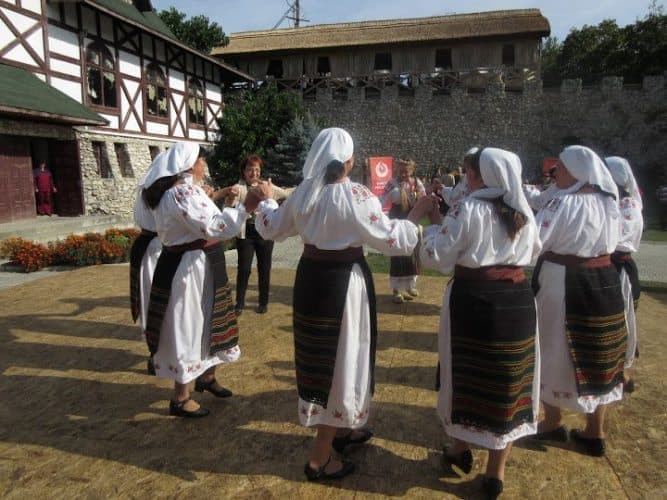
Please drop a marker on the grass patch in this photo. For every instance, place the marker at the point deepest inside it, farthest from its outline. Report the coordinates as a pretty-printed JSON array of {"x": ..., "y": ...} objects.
[
  {"x": 654, "y": 235},
  {"x": 380, "y": 264}
]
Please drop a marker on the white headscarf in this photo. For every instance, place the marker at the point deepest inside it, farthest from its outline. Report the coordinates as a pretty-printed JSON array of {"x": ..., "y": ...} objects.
[
  {"x": 176, "y": 160},
  {"x": 587, "y": 167},
  {"x": 471, "y": 151},
  {"x": 501, "y": 173},
  {"x": 330, "y": 144},
  {"x": 620, "y": 171}
]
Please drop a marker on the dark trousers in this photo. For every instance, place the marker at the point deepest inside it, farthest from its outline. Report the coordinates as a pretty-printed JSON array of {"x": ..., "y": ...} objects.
[{"x": 245, "y": 248}]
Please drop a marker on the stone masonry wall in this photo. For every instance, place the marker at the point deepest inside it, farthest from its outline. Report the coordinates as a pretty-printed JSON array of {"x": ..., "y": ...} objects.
[
  {"x": 436, "y": 130},
  {"x": 114, "y": 195}
]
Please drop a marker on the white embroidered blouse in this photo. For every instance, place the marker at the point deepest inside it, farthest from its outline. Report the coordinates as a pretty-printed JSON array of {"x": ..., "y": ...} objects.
[
  {"x": 471, "y": 235},
  {"x": 186, "y": 214},
  {"x": 347, "y": 215}
]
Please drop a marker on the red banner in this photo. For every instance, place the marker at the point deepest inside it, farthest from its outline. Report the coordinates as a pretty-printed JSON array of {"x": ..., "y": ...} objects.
[{"x": 381, "y": 173}]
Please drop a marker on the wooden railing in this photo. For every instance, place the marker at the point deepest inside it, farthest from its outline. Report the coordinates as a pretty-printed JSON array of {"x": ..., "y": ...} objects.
[{"x": 477, "y": 80}]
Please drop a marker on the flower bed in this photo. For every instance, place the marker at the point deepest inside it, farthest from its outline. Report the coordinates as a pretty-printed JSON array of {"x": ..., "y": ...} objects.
[{"x": 75, "y": 250}]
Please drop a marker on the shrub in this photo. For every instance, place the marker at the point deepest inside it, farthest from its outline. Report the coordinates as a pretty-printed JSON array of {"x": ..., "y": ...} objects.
[
  {"x": 28, "y": 255},
  {"x": 9, "y": 247}
]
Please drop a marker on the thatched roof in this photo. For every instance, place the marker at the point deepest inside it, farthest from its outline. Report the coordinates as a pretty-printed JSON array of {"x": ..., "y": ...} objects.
[{"x": 453, "y": 27}]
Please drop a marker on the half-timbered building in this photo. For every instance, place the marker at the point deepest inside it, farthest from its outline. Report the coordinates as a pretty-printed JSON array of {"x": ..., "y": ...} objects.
[{"x": 96, "y": 88}]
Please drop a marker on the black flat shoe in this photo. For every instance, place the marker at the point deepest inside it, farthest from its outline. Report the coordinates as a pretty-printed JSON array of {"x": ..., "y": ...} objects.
[
  {"x": 261, "y": 309},
  {"x": 238, "y": 310},
  {"x": 594, "y": 447},
  {"x": 201, "y": 386},
  {"x": 176, "y": 409},
  {"x": 629, "y": 386},
  {"x": 492, "y": 487},
  {"x": 150, "y": 367},
  {"x": 339, "y": 443},
  {"x": 558, "y": 435},
  {"x": 463, "y": 460},
  {"x": 320, "y": 474}
]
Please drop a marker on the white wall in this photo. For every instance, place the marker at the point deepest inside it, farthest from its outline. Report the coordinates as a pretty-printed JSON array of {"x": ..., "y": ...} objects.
[
  {"x": 72, "y": 89},
  {"x": 63, "y": 42}
]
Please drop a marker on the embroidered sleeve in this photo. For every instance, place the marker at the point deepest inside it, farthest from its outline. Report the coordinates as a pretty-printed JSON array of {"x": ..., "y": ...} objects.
[
  {"x": 441, "y": 245},
  {"x": 391, "y": 237},
  {"x": 632, "y": 225},
  {"x": 275, "y": 222},
  {"x": 203, "y": 217},
  {"x": 547, "y": 220}
]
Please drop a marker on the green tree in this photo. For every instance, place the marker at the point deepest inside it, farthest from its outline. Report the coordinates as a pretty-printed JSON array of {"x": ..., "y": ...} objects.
[
  {"x": 251, "y": 123},
  {"x": 285, "y": 161},
  {"x": 551, "y": 49},
  {"x": 198, "y": 31},
  {"x": 592, "y": 52}
]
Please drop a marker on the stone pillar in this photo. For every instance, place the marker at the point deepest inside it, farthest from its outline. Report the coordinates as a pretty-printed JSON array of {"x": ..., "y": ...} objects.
[
  {"x": 571, "y": 86},
  {"x": 611, "y": 85}
]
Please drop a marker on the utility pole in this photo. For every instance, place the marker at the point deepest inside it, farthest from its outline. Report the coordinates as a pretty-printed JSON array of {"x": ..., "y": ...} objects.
[{"x": 293, "y": 13}]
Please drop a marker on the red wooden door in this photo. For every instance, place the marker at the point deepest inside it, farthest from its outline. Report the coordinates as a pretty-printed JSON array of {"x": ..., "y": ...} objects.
[
  {"x": 64, "y": 164},
  {"x": 17, "y": 191}
]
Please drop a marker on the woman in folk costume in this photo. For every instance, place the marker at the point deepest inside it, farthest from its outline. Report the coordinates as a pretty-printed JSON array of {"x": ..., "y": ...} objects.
[
  {"x": 632, "y": 226},
  {"x": 144, "y": 255},
  {"x": 580, "y": 304},
  {"x": 191, "y": 325},
  {"x": 403, "y": 191},
  {"x": 335, "y": 324},
  {"x": 489, "y": 358},
  {"x": 460, "y": 190}
]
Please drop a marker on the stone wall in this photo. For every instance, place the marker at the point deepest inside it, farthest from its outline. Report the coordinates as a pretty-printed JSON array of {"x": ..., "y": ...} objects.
[
  {"x": 114, "y": 195},
  {"x": 436, "y": 130}
]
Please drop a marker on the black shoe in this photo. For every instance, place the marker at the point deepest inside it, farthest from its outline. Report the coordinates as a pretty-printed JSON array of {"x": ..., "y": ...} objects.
[
  {"x": 150, "y": 367},
  {"x": 559, "y": 435},
  {"x": 320, "y": 474},
  {"x": 629, "y": 386},
  {"x": 463, "y": 460},
  {"x": 238, "y": 310},
  {"x": 260, "y": 309},
  {"x": 339, "y": 443},
  {"x": 492, "y": 487},
  {"x": 201, "y": 386},
  {"x": 594, "y": 447},
  {"x": 176, "y": 409}
]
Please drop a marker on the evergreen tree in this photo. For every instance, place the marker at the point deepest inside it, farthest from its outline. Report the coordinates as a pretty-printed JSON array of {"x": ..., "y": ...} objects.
[
  {"x": 251, "y": 123},
  {"x": 285, "y": 161}
]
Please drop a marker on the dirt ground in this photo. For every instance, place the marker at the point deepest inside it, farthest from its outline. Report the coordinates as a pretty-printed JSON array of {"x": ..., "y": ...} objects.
[{"x": 81, "y": 419}]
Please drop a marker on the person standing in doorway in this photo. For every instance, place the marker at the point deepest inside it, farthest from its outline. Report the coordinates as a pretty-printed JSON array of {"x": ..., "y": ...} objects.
[{"x": 44, "y": 187}]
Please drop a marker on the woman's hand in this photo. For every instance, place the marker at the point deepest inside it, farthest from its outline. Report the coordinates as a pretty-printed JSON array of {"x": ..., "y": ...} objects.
[
  {"x": 424, "y": 206},
  {"x": 224, "y": 192},
  {"x": 264, "y": 189},
  {"x": 208, "y": 190}
]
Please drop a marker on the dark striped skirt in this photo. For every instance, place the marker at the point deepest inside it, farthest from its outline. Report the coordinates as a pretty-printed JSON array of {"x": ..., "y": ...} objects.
[
  {"x": 224, "y": 332},
  {"x": 595, "y": 327},
  {"x": 319, "y": 296},
  {"x": 493, "y": 329}
]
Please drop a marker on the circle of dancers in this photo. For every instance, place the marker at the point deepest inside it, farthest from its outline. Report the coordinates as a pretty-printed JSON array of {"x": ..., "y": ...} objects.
[{"x": 566, "y": 338}]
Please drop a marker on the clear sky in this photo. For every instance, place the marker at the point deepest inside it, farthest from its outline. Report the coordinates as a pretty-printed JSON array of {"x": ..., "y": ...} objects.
[{"x": 246, "y": 15}]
